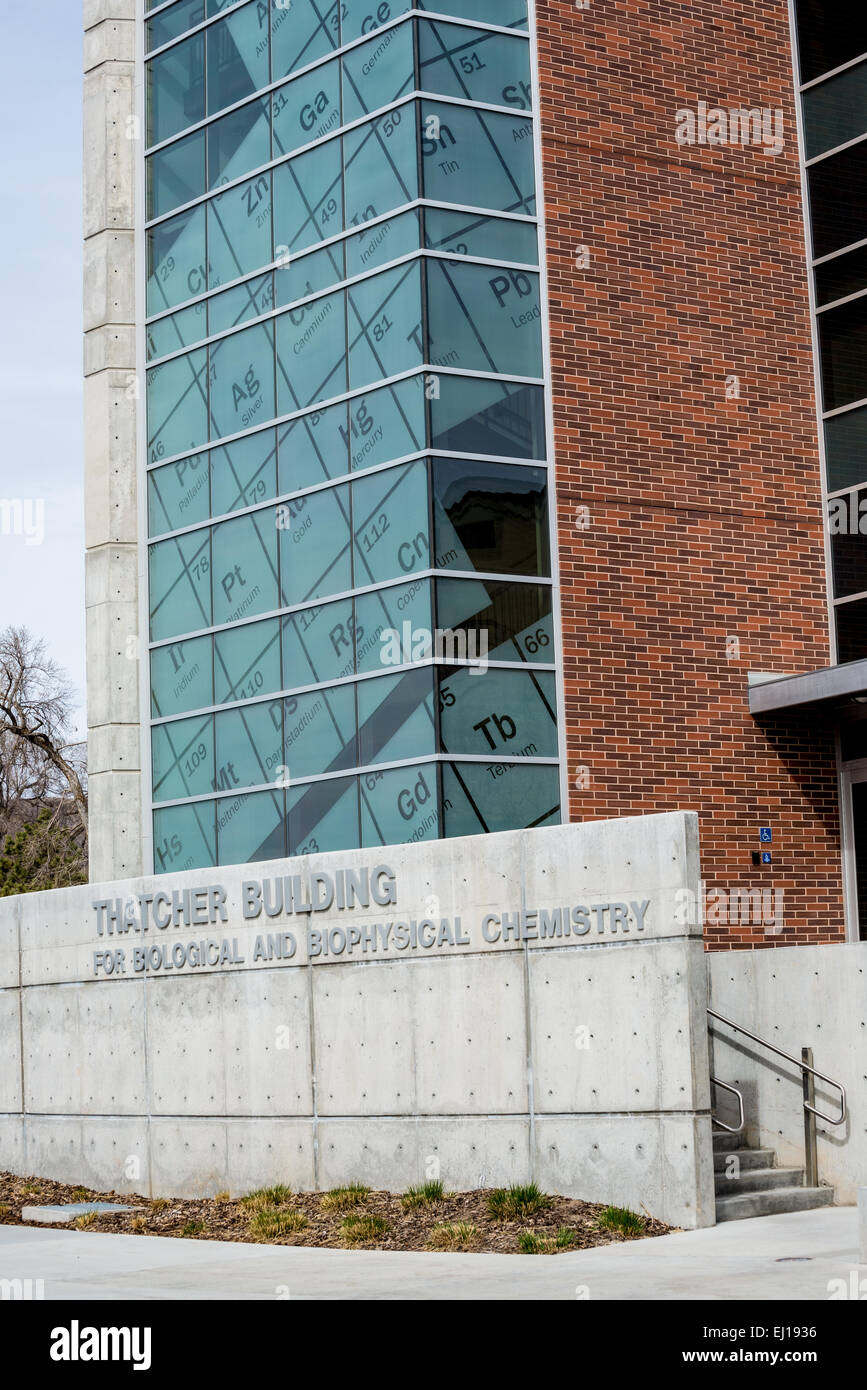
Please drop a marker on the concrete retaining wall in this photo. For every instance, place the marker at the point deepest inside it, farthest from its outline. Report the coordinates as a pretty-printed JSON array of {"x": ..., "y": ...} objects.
[
  {"x": 798, "y": 996},
  {"x": 578, "y": 1059}
]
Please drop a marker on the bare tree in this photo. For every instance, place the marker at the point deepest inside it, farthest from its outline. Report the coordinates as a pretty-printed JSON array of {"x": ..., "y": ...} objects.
[{"x": 38, "y": 764}]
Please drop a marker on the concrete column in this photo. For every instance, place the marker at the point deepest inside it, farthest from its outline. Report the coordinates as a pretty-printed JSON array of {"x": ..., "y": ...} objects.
[{"x": 111, "y": 514}]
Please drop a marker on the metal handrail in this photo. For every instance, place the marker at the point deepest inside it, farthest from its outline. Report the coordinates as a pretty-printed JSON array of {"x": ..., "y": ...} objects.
[
  {"x": 796, "y": 1061},
  {"x": 730, "y": 1129}
]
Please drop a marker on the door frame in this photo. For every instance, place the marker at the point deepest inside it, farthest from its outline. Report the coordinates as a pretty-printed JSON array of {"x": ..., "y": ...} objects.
[{"x": 850, "y": 773}]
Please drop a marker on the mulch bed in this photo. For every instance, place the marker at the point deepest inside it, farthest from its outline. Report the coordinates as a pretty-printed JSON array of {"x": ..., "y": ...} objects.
[{"x": 409, "y": 1229}]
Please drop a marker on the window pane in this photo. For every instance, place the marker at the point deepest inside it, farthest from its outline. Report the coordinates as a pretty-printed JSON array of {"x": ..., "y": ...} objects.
[
  {"x": 482, "y": 798},
  {"x": 313, "y": 448},
  {"x": 378, "y": 73},
  {"x": 308, "y": 198},
  {"x": 176, "y": 260},
  {"x": 242, "y": 380},
  {"x": 839, "y": 221},
  {"x": 324, "y": 816},
  {"x": 385, "y": 325},
  {"x": 298, "y": 277},
  {"x": 359, "y": 17},
  {"x": 301, "y": 33},
  {"x": 512, "y": 621},
  {"x": 381, "y": 165},
  {"x": 489, "y": 417},
  {"x": 177, "y": 330},
  {"x": 173, "y": 22},
  {"x": 318, "y": 645},
  {"x": 510, "y": 13},
  {"x": 400, "y": 806},
  {"x": 852, "y": 631},
  {"x": 847, "y": 515},
  {"x": 184, "y": 838},
  {"x": 829, "y": 36},
  {"x": 385, "y": 242},
  {"x": 176, "y": 89},
  {"x": 245, "y": 567},
  {"x": 247, "y": 301},
  {"x": 846, "y": 449},
  {"x": 320, "y": 732},
  {"x": 244, "y": 473},
  {"x": 249, "y": 746},
  {"x": 836, "y": 110},
  {"x": 251, "y": 829},
  {"x": 239, "y": 231},
  {"x": 490, "y": 517},
  {"x": 311, "y": 353},
  {"x": 393, "y": 627},
  {"x": 238, "y": 56},
  {"x": 388, "y": 423},
  {"x": 474, "y": 64},
  {"x": 239, "y": 143},
  {"x": 391, "y": 523},
  {"x": 842, "y": 276},
  {"x": 178, "y": 495},
  {"x": 480, "y": 158},
  {"x": 396, "y": 717},
  {"x": 496, "y": 713},
  {"x": 315, "y": 550},
  {"x": 183, "y": 758},
  {"x": 468, "y": 234},
  {"x": 247, "y": 662},
  {"x": 177, "y": 403},
  {"x": 843, "y": 348},
  {"x": 180, "y": 585},
  {"x": 176, "y": 175},
  {"x": 482, "y": 319},
  {"x": 181, "y": 677},
  {"x": 307, "y": 109}
]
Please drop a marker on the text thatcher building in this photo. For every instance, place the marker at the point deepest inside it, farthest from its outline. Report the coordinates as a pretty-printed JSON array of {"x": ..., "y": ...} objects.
[{"x": 463, "y": 415}]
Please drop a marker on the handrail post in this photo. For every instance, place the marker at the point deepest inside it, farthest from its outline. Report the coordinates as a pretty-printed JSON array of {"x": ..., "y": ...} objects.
[{"x": 810, "y": 1145}]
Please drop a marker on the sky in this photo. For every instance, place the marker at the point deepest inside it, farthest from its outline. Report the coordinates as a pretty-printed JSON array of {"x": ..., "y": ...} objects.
[{"x": 42, "y": 584}]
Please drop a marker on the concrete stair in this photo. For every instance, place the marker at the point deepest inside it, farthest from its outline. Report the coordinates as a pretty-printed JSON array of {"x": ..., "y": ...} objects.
[{"x": 748, "y": 1182}]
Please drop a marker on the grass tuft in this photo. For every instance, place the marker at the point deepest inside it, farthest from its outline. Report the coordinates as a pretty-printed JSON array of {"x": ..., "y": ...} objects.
[
  {"x": 139, "y": 1224},
  {"x": 265, "y": 1197},
  {"x": 269, "y": 1223},
  {"x": 223, "y": 1197},
  {"x": 519, "y": 1200},
  {"x": 457, "y": 1235},
  {"x": 542, "y": 1243},
  {"x": 345, "y": 1198},
  {"x": 192, "y": 1228},
  {"x": 86, "y": 1219},
  {"x": 358, "y": 1230},
  {"x": 625, "y": 1222},
  {"x": 160, "y": 1203},
  {"x": 422, "y": 1196}
]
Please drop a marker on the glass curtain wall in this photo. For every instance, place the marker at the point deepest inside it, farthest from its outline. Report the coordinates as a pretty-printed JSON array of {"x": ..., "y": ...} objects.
[
  {"x": 350, "y": 595},
  {"x": 832, "y": 44}
]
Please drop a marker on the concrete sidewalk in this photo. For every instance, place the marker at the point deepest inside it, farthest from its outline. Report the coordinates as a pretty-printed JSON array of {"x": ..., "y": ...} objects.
[{"x": 790, "y": 1257}]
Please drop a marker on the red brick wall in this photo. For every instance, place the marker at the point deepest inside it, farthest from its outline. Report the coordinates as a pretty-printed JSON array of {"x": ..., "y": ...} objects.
[{"x": 704, "y": 513}]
